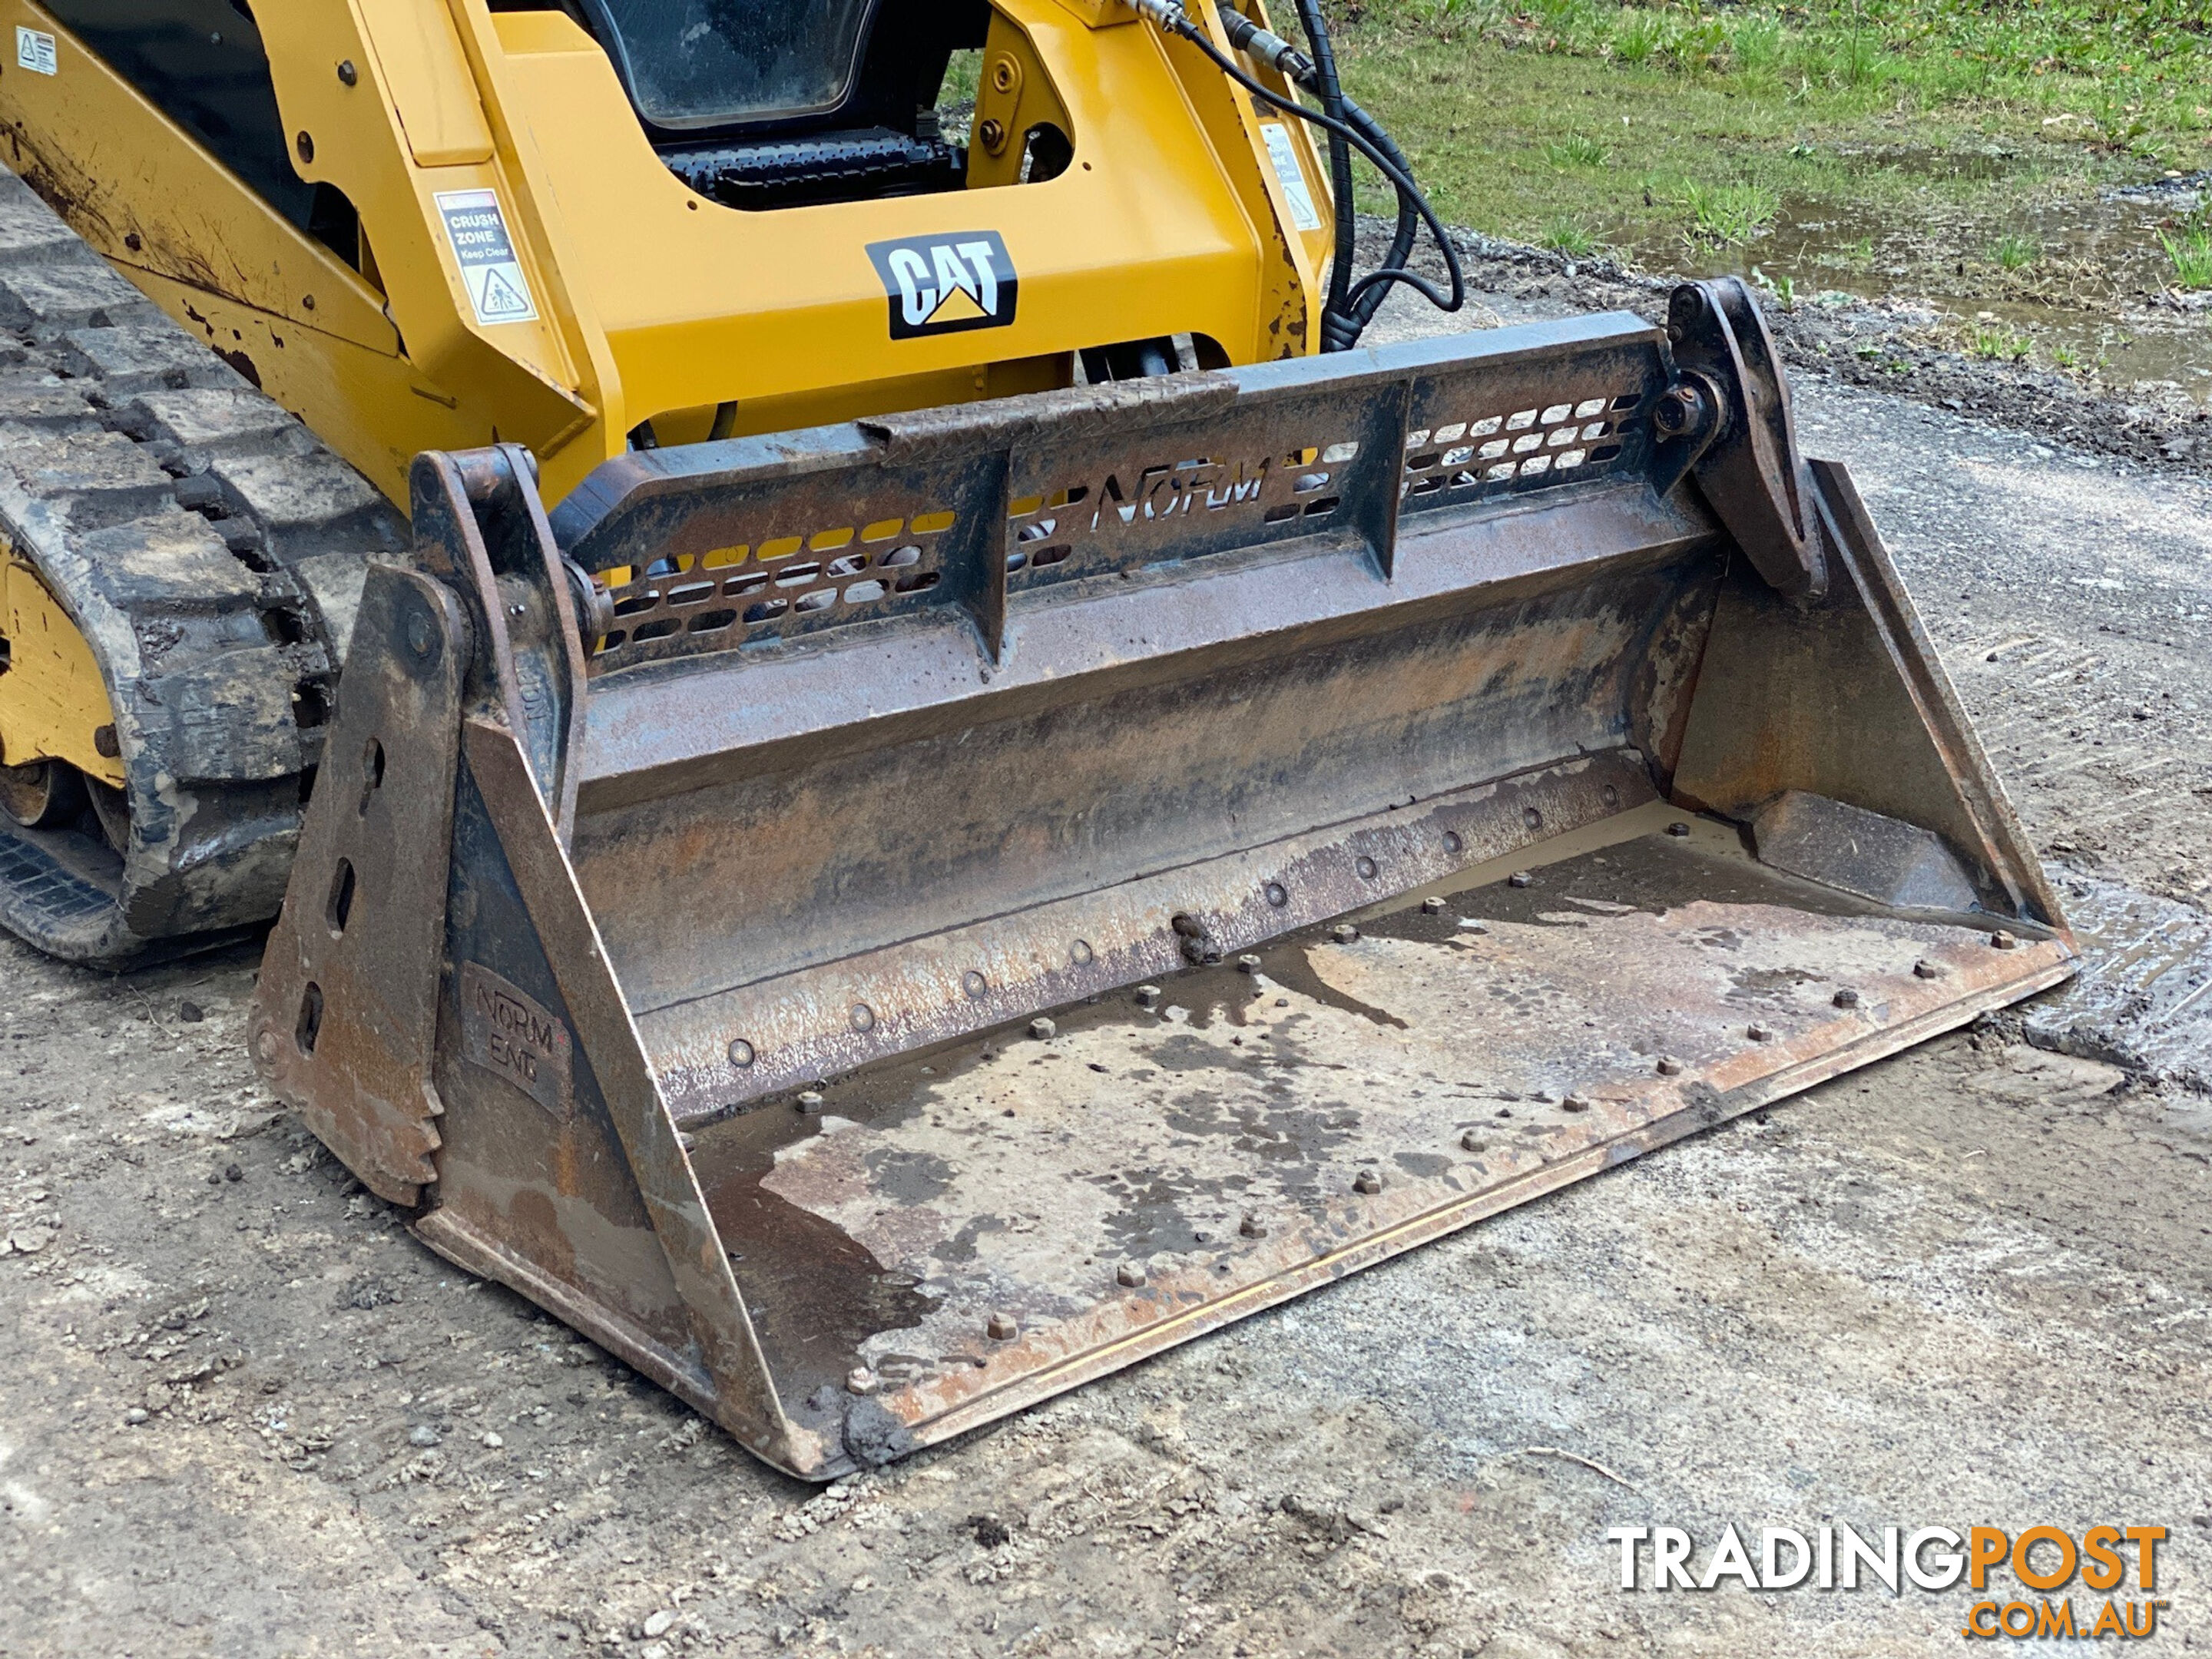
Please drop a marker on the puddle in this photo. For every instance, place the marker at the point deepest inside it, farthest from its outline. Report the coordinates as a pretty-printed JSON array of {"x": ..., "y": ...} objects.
[{"x": 2096, "y": 285}]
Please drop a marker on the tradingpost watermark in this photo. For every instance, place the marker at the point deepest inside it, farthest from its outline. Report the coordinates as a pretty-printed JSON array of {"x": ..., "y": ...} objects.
[{"x": 2040, "y": 1582}]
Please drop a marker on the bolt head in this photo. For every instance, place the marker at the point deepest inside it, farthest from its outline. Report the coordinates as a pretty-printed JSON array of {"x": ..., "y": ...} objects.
[
  {"x": 1669, "y": 1066},
  {"x": 1519, "y": 878},
  {"x": 860, "y": 1380},
  {"x": 1575, "y": 1104},
  {"x": 1365, "y": 866},
  {"x": 1760, "y": 1033},
  {"x": 809, "y": 1101},
  {"x": 1678, "y": 828},
  {"x": 1130, "y": 1275},
  {"x": 1252, "y": 1227},
  {"x": 418, "y": 635},
  {"x": 1248, "y": 964},
  {"x": 993, "y": 133},
  {"x": 1678, "y": 410},
  {"x": 1367, "y": 1181},
  {"x": 1433, "y": 907},
  {"x": 2005, "y": 941},
  {"x": 1344, "y": 932},
  {"x": 1924, "y": 969},
  {"x": 1846, "y": 998},
  {"x": 348, "y": 74},
  {"x": 1148, "y": 996},
  {"x": 1002, "y": 1327},
  {"x": 1041, "y": 1028},
  {"x": 1472, "y": 1141},
  {"x": 741, "y": 1052}
]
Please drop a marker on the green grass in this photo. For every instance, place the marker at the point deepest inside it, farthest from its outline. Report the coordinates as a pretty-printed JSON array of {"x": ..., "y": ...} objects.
[
  {"x": 1997, "y": 343},
  {"x": 1638, "y": 39},
  {"x": 1729, "y": 215},
  {"x": 1576, "y": 151},
  {"x": 1647, "y": 123},
  {"x": 1569, "y": 237},
  {"x": 963, "y": 74},
  {"x": 2015, "y": 252},
  {"x": 1783, "y": 288},
  {"x": 2190, "y": 252}
]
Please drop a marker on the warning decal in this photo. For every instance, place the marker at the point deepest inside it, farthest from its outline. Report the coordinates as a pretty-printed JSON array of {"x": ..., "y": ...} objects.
[
  {"x": 477, "y": 230},
  {"x": 1297, "y": 195},
  {"x": 34, "y": 51}
]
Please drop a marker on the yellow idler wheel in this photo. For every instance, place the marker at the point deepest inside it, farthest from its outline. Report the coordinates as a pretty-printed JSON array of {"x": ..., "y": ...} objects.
[{"x": 57, "y": 728}]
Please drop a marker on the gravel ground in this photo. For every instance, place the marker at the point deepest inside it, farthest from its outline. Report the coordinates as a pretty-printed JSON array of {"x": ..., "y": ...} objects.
[{"x": 241, "y": 1413}]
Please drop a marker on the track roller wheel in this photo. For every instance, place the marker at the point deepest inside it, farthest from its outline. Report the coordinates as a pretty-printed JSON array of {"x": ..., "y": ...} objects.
[{"x": 47, "y": 794}]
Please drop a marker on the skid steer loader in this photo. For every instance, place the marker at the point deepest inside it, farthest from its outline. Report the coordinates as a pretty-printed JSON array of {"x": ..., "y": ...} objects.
[{"x": 938, "y": 783}]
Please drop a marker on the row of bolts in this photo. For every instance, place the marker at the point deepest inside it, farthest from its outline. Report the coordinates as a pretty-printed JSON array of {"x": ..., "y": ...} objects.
[{"x": 1004, "y": 1327}]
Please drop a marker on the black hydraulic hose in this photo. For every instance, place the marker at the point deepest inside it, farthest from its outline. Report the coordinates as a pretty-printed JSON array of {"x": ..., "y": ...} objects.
[
  {"x": 1333, "y": 102},
  {"x": 1169, "y": 16},
  {"x": 1401, "y": 240}
]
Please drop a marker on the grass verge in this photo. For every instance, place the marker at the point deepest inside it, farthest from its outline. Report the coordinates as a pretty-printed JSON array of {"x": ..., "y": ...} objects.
[{"x": 1657, "y": 129}]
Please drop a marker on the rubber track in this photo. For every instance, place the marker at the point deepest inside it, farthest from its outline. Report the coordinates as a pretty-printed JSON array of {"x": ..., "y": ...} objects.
[{"x": 211, "y": 550}]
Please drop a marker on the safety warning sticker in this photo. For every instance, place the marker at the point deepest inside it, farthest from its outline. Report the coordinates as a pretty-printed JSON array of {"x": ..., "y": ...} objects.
[
  {"x": 1297, "y": 195},
  {"x": 477, "y": 230},
  {"x": 34, "y": 51}
]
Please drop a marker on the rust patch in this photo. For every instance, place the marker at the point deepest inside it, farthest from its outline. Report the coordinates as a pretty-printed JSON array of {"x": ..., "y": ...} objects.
[{"x": 243, "y": 363}]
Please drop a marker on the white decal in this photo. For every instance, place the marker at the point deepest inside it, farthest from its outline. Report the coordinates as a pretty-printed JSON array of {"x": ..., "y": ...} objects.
[
  {"x": 493, "y": 274},
  {"x": 1297, "y": 194},
  {"x": 35, "y": 52}
]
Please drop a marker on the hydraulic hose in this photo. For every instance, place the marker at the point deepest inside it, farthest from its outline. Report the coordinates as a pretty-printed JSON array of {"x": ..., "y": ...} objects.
[
  {"x": 1333, "y": 101},
  {"x": 1341, "y": 324},
  {"x": 1401, "y": 240}
]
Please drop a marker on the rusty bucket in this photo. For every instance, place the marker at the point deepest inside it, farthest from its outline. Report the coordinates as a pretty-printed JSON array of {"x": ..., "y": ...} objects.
[{"x": 877, "y": 924}]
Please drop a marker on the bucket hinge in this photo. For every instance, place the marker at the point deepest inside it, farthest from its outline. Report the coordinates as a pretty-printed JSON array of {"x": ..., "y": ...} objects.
[
  {"x": 480, "y": 526},
  {"x": 1727, "y": 420}
]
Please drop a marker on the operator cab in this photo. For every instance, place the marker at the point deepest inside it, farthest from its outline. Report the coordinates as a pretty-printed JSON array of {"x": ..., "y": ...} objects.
[{"x": 782, "y": 103}]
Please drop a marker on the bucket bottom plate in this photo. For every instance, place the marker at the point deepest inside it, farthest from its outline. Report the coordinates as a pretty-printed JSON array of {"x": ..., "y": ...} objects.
[{"x": 968, "y": 1229}]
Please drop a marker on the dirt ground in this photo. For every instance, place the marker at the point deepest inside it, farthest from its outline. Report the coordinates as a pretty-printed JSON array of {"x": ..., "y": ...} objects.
[{"x": 242, "y": 1413}]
